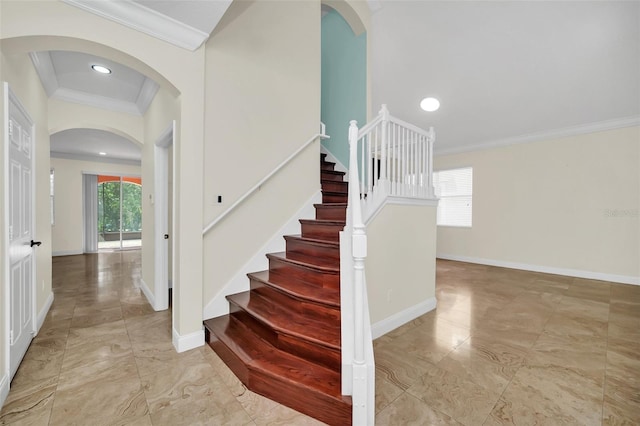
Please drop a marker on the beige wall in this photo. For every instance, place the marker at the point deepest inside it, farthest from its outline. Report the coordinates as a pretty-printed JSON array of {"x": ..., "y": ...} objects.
[
  {"x": 67, "y": 233},
  {"x": 400, "y": 265},
  {"x": 567, "y": 205},
  {"x": 262, "y": 103},
  {"x": 67, "y": 115},
  {"x": 23, "y": 80},
  {"x": 161, "y": 113}
]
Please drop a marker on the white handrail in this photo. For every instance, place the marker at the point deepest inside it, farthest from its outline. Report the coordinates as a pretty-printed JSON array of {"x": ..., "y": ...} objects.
[{"x": 254, "y": 188}]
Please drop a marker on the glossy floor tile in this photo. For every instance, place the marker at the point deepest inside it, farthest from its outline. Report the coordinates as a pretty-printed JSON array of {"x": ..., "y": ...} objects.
[{"x": 503, "y": 347}]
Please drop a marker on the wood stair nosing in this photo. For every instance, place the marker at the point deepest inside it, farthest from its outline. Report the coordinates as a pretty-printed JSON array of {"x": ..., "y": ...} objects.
[
  {"x": 310, "y": 325},
  {"x": 299, "y": 245},
  {"x": 333, "y": 175},
  {"x": 309, "y": 273},
  {"x": 305, "y": 292},
  {"x": 307, "y": 337},
  {"x": 331, "y": 211},
  {"x": 335, "y": 186},
  {"x": 334, "y": 197},
  {"x": 322, "y": 229},
  {"x": 301, "y": 385}
]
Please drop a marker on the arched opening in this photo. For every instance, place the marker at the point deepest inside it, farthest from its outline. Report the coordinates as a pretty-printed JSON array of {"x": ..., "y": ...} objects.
[{"x": 344, "y": 75}]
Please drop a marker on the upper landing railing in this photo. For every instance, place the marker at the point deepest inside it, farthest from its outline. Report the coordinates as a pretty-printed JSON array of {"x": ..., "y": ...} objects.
[{"x": 387, "y": 158}]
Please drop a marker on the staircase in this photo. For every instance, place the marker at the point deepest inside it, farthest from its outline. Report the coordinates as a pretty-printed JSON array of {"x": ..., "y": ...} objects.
[{"x": 282, "y": 337}]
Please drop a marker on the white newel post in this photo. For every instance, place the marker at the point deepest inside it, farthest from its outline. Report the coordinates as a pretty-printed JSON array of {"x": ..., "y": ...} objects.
[{"x": 359, "y": 253}]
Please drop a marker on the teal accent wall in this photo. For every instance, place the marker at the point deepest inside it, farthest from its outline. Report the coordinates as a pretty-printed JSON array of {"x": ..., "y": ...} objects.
[{"x": 344, "y": 82}]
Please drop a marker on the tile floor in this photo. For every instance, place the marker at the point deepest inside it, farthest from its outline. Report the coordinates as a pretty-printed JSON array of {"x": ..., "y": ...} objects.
[{"x": 503, "y": 347}]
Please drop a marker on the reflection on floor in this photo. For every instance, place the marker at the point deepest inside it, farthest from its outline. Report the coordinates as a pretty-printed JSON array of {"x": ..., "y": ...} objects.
[
  {"x": 503, "y": 347},
  {"x": 126, "y": 244}
]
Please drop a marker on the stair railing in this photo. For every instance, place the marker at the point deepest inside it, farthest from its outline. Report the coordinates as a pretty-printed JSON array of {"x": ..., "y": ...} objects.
[
  {"x": 387, "y": 158},
  {"x": 262, "y": 181}
]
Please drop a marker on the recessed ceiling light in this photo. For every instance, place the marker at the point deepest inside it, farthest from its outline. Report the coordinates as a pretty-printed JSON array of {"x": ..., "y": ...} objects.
[
  {"x": 102, "y": 153},
  {"x": 430, "y": 104},
  {"x": 101, "y": 69}
]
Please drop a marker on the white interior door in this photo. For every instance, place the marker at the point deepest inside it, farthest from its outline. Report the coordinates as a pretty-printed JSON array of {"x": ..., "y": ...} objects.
[{"x": 20, "y": 232}]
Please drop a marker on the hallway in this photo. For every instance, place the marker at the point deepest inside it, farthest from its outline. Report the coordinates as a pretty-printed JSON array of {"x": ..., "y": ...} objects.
[{"x": 103, "y": 356}]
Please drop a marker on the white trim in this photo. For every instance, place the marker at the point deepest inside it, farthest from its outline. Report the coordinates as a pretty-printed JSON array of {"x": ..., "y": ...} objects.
[
  {"x": 188, "y": 341},
  {"x": 96, "y": 159},
  {"x": 402, "y": 201},
  {"x": 400, "y": 318},
  {"x": 4, "y": 389},
  {"x": 5, "y": 242},
  {"x": 599, "y": 126},
  {"x": 578, "y": 273},
  {"x": 66, "y": 253},
  {"x": 46, "y": 71},
  {"x": 219, "y": 305},
  {"x": 44, "y": 67},
  {"x": 148, "y": 294},
  {"x": 146, "y": 95},
  {"x": 84, "y": 98},
  {"x": 339, "y": 166},
  {"x": 162, "y": 226},
  {"x": 148, "y": 21},
  {"x": 42, "y": 315}
]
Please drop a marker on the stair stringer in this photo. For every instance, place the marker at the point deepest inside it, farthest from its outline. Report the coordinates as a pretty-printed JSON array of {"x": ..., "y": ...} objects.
[{"x": 219, "y": 305}]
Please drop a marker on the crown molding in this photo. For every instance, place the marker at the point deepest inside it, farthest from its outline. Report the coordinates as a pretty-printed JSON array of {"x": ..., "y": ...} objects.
[
  {"x": 146, "y": 95},
  {"x": 94, "y": 158},
  {"x": 143, "y": 19},
  {"x": 600, "y": 126},
  {"x": 44, "y": 67},
  {"x": 76, "y": 96}
]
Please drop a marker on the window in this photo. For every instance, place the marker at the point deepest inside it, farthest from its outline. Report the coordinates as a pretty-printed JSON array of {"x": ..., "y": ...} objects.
[
  {"x": 51, "y": 193},
  {"x": 455, "y": 189}
]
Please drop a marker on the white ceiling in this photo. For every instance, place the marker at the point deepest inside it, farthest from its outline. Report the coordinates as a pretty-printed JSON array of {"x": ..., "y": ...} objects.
[
  {"x": 507, "y": 71},
  {"x": 68, "y": 75},
  {"x": 504, "y": 71},
  {"x": 86, "y": 144}
]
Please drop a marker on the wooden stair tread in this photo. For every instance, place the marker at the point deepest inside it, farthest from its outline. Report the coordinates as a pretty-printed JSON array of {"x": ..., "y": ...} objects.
[
  {"x": 313, "y": 241},
  {"x": 328, "y": 205},
  {"x": 312, "y": 263},
  {"x": 323, "y": 222},
  {"x": 300, "y": 290},
  {"x": 258, "y": 354},
  {"x": 278, "y": 317}
]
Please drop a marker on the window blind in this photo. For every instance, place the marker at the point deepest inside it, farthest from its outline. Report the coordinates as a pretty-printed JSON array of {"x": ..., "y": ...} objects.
[{"x": 454, "y": 187}]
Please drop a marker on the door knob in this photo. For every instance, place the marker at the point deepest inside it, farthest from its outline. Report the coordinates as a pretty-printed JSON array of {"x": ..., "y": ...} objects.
[{"x": 35, "y": 243}]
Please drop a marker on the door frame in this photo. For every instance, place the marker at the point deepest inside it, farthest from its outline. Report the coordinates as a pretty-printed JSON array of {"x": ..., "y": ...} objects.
[
  {"x": 161, "y": 223},
  {"x": 10, "y": 98}
]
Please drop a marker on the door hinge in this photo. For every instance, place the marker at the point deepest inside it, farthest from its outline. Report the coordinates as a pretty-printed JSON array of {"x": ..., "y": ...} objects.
[
  {"x": 11, "y": 233},
  {"x": 11, "y": 338}
]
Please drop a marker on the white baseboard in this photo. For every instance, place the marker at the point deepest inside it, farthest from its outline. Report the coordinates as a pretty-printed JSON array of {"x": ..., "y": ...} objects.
[
  {"x": 42, "y": 315},
  {"x": 219, "y": 305},
  {"x": 4, "y": 388},
  {"x": 189, "y": 341},
  {"x": 339, "y": 166},
  {"x": 396, "y": 320},
  {"x": 66, "y": 253},
  {"x": 578, "y": 273},
  {"x": 148, "y": 294}
]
